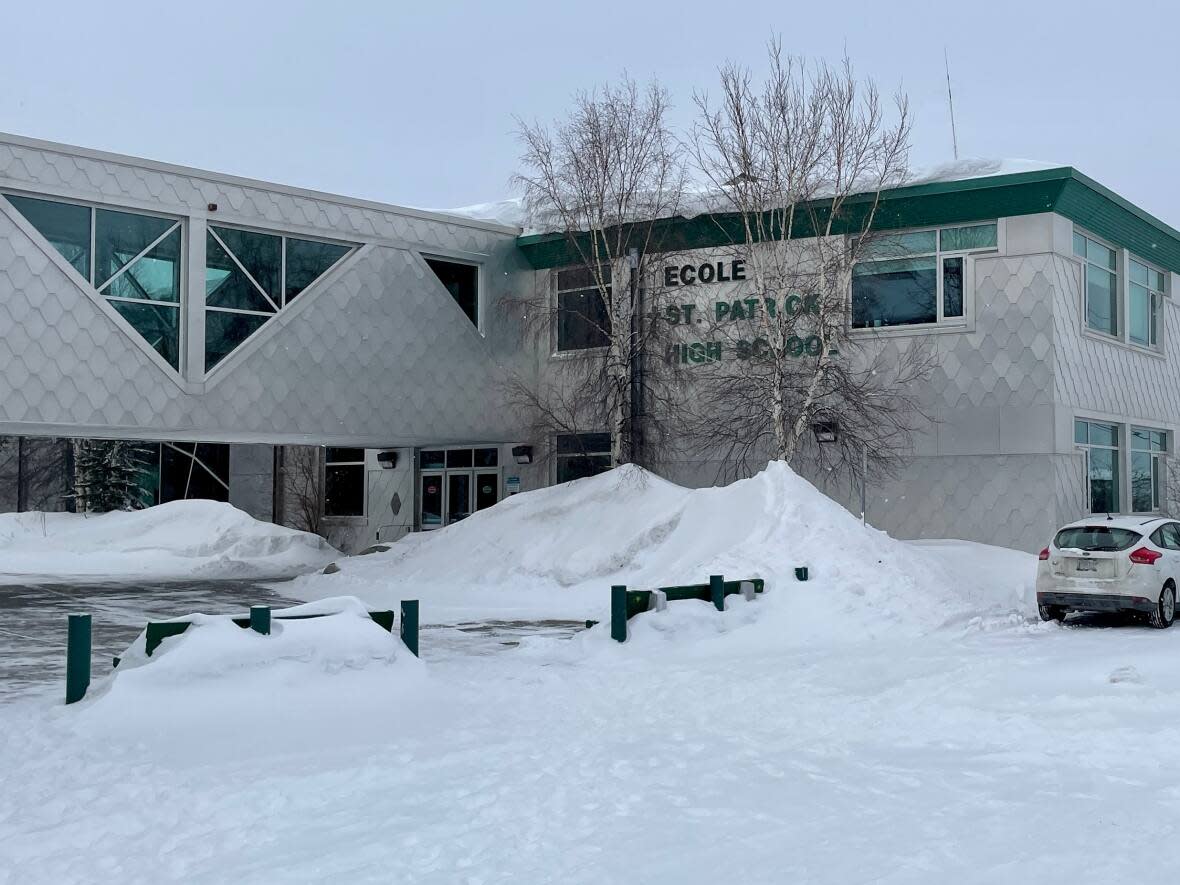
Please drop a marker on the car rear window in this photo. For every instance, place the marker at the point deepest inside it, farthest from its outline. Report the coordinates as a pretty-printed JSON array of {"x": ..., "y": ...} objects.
[{"x": 1096, "y": 537}]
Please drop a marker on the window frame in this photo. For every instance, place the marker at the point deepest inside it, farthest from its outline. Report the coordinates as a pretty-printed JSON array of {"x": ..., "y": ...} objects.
[
  {"x": 1158, "y": 466},
  {"x": 1120, "y": 473},
  {"x": 363, "y": 465},
  {"x": 556, "y": 350},
  {"x": 480, "y": 279},
  {"x": 180, "y": 223},
  {"x": 283, "y": 304},
  {"x": 942, "y": 323},
  {"x": 1156, "y": 300},
  {"x": 1120, "y": 276},
  {"x": 1123, "y": 259},
  {"x": 583, "y": 452}
]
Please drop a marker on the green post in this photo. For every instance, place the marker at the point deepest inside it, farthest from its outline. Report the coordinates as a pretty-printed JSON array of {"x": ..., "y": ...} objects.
[
  {"x": 77, "y": 657},
  {"x": 260, "y": 619},
  {"x": 801, "y": 573},
  {"x": 717, "y": 591},
  {"x": 409, "y": 631},
  {"x": 618, "y": 612}
]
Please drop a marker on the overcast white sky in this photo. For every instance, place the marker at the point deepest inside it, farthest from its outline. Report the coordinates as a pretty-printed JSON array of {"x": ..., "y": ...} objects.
[{"x": 413, "y": 103}]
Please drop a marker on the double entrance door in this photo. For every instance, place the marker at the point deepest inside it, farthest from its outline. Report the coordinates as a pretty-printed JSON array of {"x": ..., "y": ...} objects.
[{"x": 454, "y": 483}]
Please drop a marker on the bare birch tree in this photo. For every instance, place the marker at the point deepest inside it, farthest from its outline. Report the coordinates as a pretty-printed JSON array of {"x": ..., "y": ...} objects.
[
  {"x": 604, "y": 181},
  {"x": 799, "y": 162}
]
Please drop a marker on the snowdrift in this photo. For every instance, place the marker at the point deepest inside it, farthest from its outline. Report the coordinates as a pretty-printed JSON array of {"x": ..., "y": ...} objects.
[
  {"x": 181, "y": 539},
  {"x": 216, "y": 677},
  {"x": 555, "y": 553}
]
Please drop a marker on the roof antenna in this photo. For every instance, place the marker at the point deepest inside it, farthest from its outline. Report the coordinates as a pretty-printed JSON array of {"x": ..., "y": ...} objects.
[{"x": 950, "y": 99}]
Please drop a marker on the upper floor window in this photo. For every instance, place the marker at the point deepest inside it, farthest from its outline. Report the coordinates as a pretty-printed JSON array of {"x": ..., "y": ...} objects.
[
  {"x": 1105, "y": 280},
  {"x": 250, "y": 276},
  {"x": 916, "y": 277},
  {"x": 1101, "y": 282},
  {"x": 462, "y": 281},
  {"x": 583, "y": 320},
  {"x": 1146, "y": 286},
  {"x": 131, "y": 259}
]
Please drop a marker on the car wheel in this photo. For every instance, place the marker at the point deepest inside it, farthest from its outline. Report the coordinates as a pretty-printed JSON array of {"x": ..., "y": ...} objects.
[
  {"x": 1051, "y": 613},
  {"x": 1165, "y": 610}
]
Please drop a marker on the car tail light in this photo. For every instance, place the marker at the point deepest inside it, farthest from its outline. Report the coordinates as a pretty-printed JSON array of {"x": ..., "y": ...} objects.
[
  {"x": 1044, "y": 554},
  {"x": 1143, "y": 556}
]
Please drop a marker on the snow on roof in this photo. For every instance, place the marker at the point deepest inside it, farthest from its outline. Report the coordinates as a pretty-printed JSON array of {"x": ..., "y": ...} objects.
[{"x": 511, "y": 210}]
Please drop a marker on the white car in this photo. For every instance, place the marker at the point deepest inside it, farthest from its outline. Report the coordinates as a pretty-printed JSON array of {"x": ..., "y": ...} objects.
[{"x": 1111, "y": 564}]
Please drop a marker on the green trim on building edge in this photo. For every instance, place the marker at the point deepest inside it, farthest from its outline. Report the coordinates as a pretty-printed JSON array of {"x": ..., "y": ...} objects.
[{"x": 1063, "y": 190}]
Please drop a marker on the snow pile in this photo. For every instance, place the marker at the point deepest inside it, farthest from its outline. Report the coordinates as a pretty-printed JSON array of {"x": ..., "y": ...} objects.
[
  {"x": 555, "y": 553},
  {"x": 181, "y": 539},
  {"x": 217, "y": 676}
]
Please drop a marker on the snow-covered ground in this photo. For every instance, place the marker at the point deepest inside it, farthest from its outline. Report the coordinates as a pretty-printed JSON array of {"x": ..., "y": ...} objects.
[
  {"x": 900, "y": 718},
  {"x": 181, "y": 539}
]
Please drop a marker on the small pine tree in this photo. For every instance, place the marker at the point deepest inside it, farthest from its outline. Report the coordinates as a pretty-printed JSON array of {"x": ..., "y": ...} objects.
[{"x": 112, "y": 474}]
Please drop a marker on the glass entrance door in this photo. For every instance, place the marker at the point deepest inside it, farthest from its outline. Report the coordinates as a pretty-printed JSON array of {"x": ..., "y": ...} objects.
[
  {"x": 430, "y": 496},
  {"x": 454, "y": 483},
  {"x": 458, "y": 495}
]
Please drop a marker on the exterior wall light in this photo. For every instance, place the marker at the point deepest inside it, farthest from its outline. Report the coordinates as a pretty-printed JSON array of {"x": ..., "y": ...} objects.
[
  {"x": 522, "y": 454},
  {"x": 387, "y": 460},
  {"x": 825, "y": 431}
]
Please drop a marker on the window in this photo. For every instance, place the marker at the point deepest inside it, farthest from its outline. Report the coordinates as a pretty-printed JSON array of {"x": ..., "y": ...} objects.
[
  {"x": 250, "y": 276},
  {"x": 1148, "y": 449},
  {"x": 917, "y": 277},
  {"x": 462, "y": 281},
  {"x": 193, "y": 470},
  {"x": 1100, "y": 265},
  {"x": 131, "y": 259},
  {"x": 583, "y": 320},
  {"x": 582, "y": 454},
  {"x": 344, "y": 482},
  {"x": 1101, "y": 445},
  {"x": 1145, "y": 287}
]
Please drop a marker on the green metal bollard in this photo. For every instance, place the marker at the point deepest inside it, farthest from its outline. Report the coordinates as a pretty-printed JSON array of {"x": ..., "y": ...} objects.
[
  {"x": 801, "y": 573},
  {"x": 77, "y": 657},
  {"x": 409, "y": 630},
  {"x": 260, "y": 619},
  {"x": 717, "y": 591},
  {"x": 618, "y": 612}
]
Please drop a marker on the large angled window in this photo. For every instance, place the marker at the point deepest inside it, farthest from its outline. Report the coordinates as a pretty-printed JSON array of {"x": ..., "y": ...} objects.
[
  {"x": 251, "y": 276},
  {"x": 132, "y": 259}
]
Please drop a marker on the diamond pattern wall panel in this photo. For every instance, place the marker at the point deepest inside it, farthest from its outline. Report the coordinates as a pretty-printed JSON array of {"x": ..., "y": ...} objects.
[
  {"x": 379, "y": 354},
  {"x": 1001, "y": 499},
  {"x": 1103, "y": 378},
  {"x": 124, "y": 180}
]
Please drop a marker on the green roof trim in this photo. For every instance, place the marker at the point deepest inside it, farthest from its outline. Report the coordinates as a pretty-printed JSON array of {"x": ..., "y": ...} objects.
[{"x": 1063, "y": 190}]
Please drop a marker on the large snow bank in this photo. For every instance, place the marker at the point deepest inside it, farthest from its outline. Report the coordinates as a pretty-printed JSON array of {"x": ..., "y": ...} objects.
[
  {"x": 555, "y": 553},
  {"x": 181, "y": 539},
  {"x": 216, "y": 677}
]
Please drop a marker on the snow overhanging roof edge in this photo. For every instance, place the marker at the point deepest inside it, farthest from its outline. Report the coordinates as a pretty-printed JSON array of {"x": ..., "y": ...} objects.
[{"x": 1060, "y": 189}]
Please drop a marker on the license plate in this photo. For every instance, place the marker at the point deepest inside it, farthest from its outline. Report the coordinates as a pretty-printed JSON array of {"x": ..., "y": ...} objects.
[{"x": 1087, "y": 565}]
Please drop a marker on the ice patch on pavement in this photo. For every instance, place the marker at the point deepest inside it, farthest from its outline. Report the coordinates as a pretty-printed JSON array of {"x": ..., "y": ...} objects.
[{"x": 189, "y": 539}]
